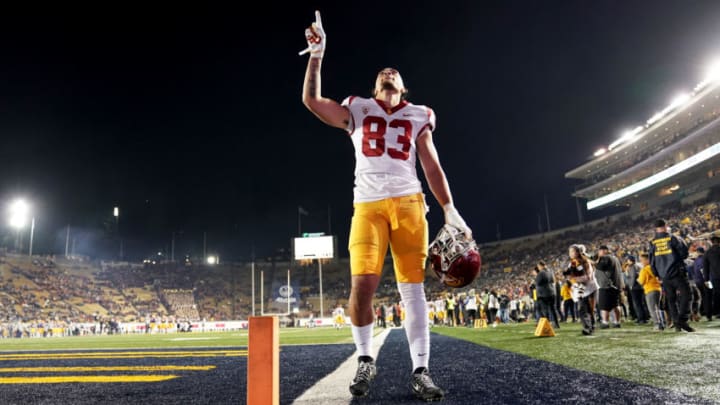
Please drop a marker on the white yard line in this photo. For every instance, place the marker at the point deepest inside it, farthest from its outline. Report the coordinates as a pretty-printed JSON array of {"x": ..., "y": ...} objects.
[
  {"x": 192, "y": 338},
  {"x": 333, "y": 389}
]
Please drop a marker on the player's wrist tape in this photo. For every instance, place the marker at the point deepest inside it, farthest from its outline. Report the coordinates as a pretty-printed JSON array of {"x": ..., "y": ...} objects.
[{"x": 449, "y": 207}]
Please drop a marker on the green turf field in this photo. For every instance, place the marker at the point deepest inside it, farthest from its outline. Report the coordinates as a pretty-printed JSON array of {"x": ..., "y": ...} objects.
[{"x": 686, "y": 362}]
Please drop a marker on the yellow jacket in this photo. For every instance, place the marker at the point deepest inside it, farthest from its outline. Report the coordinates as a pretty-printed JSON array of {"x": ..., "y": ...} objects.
[
  {"x": 450, "y": 303},
  {"x": 565, "y": 292},
  {"x": 648, "y": 280}
]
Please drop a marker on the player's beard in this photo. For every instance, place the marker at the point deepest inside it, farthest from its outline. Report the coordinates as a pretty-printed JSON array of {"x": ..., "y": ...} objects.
[{"x": 388, "y": 86}]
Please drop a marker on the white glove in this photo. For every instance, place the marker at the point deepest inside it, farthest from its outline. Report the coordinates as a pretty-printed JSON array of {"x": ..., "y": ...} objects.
[
  {"x": 316, "y": 38},
  {"x": 708, "y": 284},
  {"x": 452, "y": 217}
]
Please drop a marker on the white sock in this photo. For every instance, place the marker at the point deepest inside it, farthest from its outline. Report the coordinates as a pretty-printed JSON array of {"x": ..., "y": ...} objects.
[
  {"x": 362, "y": 335},
  {"x": 416, "y": 322}
]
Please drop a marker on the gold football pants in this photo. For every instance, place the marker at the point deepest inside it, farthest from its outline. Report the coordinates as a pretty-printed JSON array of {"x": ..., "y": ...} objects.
[{"x": 397, "y": 221}]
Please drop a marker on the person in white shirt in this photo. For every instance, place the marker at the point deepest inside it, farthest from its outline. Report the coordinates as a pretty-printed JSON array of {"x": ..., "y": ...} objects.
[{"x": 471, "y": 306}]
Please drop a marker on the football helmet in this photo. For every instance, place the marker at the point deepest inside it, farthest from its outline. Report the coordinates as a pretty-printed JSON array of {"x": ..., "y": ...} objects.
[{"x": 454, "y": 258}]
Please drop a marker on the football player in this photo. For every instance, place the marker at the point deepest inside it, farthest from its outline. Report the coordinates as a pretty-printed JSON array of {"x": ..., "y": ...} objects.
[
  {"x": 388, "y": 134},
  {"x": 339, "y": 317}
]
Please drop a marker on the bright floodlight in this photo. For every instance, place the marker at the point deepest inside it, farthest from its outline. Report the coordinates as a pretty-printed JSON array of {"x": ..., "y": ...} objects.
[
  {"x": 655, "y": 118},
  {"x": 599, "y": 152},
  {"x": 713, "y": 72},
  {"x": 19, "y": 211},
  {"x": 116, "y": 212},
  {"x": 627, "y": 136},
  {"x": 679, "y": 100},
  {"x": 656, "y": 178},
  {"x": 211, "y": 260}
]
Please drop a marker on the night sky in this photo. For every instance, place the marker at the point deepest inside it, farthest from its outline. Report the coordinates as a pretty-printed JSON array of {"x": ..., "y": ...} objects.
[{"x": 195, "y": 124}]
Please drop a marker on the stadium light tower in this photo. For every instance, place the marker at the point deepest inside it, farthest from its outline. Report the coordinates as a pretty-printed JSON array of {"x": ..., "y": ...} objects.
[
  {"x": 19, "y": 211},
  {"x": 116, "y": 214}
]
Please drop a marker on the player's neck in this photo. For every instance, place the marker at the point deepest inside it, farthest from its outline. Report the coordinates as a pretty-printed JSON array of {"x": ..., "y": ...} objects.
[{"x": 390, "y": 98}]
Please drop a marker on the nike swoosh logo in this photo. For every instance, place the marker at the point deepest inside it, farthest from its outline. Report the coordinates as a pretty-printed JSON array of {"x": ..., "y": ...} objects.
[
  {"x": 422, "y": 354},
  {"x": 407, "y": 115}
]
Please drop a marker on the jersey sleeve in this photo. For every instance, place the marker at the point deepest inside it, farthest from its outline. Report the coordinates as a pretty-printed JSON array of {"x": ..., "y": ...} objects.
[
  {"x": 429, "y": 121},
  {"x": 431, "y": 118},
  {"x": 348, "y": 104}
]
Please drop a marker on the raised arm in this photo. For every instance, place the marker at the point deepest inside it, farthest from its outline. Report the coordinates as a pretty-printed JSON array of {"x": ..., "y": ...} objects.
[
  {"x": 329, "y": 111},
  {"x": 437, "y": 181}
]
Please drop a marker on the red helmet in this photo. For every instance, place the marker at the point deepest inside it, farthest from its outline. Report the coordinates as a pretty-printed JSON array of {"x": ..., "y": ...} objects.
[{"x": 454, "y": 257}]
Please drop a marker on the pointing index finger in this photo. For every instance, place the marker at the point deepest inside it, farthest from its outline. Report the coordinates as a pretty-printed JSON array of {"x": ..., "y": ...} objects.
[{"x": 318, "y": 21}]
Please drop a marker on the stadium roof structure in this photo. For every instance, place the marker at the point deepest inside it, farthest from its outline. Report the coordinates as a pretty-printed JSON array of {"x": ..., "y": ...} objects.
[{"x": 678, "y": 145}]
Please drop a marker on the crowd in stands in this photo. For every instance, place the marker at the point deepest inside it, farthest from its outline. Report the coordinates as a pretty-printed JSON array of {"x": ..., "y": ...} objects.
[
  {"x": 39, "y": 289},
  {"x": 181, "y": 303},
  {"x": 506, "y": 268},
  {"x": 44, "y": 295},
  {"x": 506, "y": 281}
]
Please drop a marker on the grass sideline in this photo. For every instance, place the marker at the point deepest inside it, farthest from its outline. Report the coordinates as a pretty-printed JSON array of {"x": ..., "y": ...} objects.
[
  {"x": 685, "y": 362},
  {"x": 288, "y": 336}
]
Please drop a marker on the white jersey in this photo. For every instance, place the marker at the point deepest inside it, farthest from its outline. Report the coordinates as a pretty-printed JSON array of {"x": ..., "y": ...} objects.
[
  {"x": 471, "y": 303},
  {"x": 384, "y": 141},
  {"x": 440, "y": 305}
]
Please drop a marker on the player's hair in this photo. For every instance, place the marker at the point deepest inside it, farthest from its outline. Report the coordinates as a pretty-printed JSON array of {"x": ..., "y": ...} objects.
[
  {"x": 580, "y": 249},
  {"x": 582, "y": 256}
]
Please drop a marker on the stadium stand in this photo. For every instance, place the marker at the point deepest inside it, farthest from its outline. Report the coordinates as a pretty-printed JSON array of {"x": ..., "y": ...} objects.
[
  {"x": 674, "y": 156},
  {"x": 50, "y": 296}
]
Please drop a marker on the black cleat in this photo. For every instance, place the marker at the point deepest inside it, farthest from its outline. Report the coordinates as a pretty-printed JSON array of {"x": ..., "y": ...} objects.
[
  {"x": 686, "y": 327},
  {"x": 365, "y": 373},
  {"x": 424, "y": 388}
]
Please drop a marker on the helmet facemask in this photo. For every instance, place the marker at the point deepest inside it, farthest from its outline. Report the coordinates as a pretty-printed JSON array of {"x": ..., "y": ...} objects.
[{"x": 454, "y": 257}]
